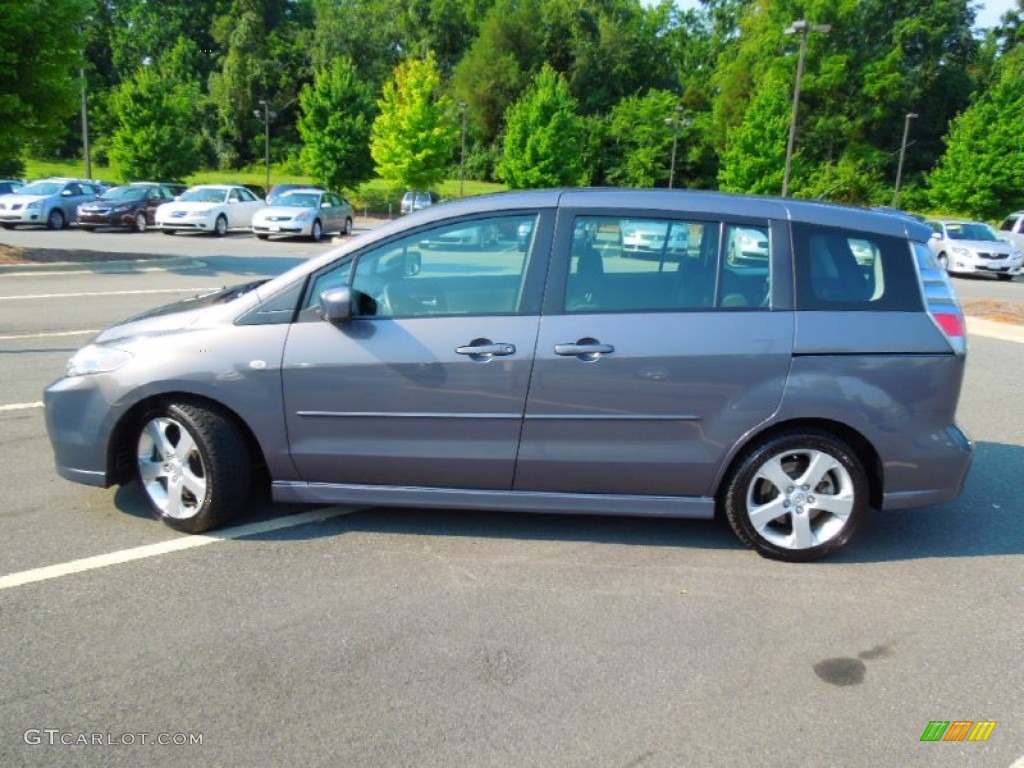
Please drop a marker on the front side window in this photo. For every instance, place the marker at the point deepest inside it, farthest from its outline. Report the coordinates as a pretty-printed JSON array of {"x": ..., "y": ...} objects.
[
  {"x": 631, "y": 264},
  {"x": 839, "y": 269},
  {"x": 474, "y": 267}
]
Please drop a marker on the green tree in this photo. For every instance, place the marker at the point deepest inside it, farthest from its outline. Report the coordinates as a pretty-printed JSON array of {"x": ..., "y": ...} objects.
[
  {"x": 40, "y": 55},
  {"x": 755, "y": 153},
  {"x": 415, "y": 134},
  {"x": 982, "y": 172},
  {"x": 545, "y": 137},
  {"x": 643, "y": 139},
  {"x": 337, "y": 115},
  {"x": 156, "y": 135}
]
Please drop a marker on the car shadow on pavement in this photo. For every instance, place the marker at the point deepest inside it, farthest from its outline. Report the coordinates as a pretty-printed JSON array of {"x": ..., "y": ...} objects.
[{"x": 986, "y": 520}]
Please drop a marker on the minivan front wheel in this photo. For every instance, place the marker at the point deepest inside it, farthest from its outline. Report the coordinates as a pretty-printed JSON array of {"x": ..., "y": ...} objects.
[
  {"x": 797, "y": 497},
  {"x": 192, "y": 466}
]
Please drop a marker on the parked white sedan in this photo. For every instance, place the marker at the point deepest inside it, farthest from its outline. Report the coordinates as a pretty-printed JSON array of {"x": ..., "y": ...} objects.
[
  {"x": 974, "y": 247},
  {"x": 214, "y": 208},
  {"x": 304, "y": 212}
]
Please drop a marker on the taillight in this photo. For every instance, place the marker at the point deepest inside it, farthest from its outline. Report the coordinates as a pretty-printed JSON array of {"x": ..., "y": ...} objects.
[{"x": 952, "y": 323}]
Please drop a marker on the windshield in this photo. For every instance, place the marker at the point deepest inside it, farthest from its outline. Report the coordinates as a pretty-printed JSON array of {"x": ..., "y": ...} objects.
[
  {"x": 125, "y": 193},
  {"x": 971, "y": 230},
  {"x": 204, "y": 195},
  {"x": 41, "y": 188},
  {"x": 299, "y": 200}
]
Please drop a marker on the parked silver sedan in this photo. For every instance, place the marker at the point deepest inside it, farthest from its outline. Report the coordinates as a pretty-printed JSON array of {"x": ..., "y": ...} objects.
[
  {"x": 49, "y": 202},
  {"x": 973, "y": 247},
  {"x": 305, "y": 212}
]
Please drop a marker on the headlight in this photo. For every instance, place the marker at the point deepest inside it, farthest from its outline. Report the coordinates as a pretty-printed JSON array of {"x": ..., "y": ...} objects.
[
  {"x": 120, "y": 208},
  {"x": 35, "y": 205},
  {"x": 96, "y": 359},
  {"x": 304, "y": 216},
  {"x": 961, "y": 251}
]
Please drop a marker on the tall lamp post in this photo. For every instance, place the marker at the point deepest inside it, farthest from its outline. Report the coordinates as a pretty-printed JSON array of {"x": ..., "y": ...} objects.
[
  {"x": 462, "y": 157},
  {"x": 676, "y": 122},
  {"x": 266, "y": 114},
  {"x": 903, "y": 152},
  {"x": 802, "y": 28}
]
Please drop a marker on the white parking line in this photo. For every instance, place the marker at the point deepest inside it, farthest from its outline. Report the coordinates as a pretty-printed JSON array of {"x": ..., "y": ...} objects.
[
  {"x": 47, "y": 335},
  {"x": 21, "y": 406},
  {"x": 171, "y": 545},
  {"x": 105, "y": 293}
]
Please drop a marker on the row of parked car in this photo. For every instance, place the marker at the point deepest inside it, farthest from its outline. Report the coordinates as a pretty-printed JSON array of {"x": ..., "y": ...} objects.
[{"x": 289, "y": 210}]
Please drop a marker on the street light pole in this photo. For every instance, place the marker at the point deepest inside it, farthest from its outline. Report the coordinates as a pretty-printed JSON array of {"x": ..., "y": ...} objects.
[
  {"x": 462, "y": 157},
  {"x": 903, "y": 152},
  {"x": 802, "y": 28},
  {"x": 85, "y": 126},
  {"x": 676, "y": 123},
  {"x": 266, "y": 139}
]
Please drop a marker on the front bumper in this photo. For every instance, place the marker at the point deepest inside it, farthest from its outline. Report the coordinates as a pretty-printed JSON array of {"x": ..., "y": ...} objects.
[{"x": 79, "y": 421}]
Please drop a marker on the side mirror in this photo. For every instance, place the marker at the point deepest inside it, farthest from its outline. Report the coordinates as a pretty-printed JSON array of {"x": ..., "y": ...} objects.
[{"x": 336, "y": 305}]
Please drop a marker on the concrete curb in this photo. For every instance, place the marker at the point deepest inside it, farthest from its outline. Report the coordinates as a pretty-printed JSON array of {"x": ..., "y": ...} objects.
[
  {"x": 113, "y": 266},
  {"x": 977, "y": 326}
]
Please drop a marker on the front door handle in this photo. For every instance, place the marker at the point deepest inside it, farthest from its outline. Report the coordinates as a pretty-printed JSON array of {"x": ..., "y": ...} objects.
[
  {"x": 587, "y": 349},
  {"x": 484, "y": 349}
]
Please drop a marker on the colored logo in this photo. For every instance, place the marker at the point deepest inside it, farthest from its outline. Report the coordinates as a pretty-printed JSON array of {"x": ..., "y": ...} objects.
[{"x": 958, "y": 730}]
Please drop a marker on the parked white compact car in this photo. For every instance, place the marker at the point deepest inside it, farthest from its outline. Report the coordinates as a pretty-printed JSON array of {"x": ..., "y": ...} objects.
[
  {"x": 214, "y": 208},
  {"x": 974, "y": 247}
]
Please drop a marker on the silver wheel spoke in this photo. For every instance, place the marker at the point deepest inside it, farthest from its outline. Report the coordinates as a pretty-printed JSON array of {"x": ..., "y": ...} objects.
[
  {"x": 821, "y": 464},
  {"x": 767, "y": 513},
  {"x": 150, "y": 471},
  {"x": 803, "y": 537},
  {"x": 175, "y": 507},
  {"x": 195, "y": 485},
  {"x": 773, "y": 472},
  {"x": 157, "y": 432},
  {"x": 186, "y": 445},
  {"x": 840, "y": 506}
]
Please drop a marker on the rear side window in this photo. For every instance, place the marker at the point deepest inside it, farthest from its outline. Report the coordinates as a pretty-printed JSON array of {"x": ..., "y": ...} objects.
[
  {"x": 637, "y": 264},
  {"x": 840, "y": 269}
]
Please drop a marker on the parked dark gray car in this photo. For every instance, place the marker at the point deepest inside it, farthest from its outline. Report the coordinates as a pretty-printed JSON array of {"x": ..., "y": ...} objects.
[{"x": 789, "y": 392}]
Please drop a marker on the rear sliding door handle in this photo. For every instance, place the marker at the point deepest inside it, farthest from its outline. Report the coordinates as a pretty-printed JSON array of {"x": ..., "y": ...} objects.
[{"x": 585, "y": 349}]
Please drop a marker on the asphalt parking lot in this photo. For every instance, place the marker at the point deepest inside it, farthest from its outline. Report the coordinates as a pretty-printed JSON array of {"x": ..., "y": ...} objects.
[{"x": 342, "y": 636}]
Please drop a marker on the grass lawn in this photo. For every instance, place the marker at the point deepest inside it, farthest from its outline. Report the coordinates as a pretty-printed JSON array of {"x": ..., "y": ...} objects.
[{"x": 372, "y": 197}]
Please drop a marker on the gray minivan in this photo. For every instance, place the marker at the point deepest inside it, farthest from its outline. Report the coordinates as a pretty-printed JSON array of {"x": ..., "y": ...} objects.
[{"x": 786, "y": 364}]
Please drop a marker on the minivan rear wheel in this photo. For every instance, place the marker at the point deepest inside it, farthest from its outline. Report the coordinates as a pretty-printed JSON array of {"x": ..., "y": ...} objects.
[
  {"x": 192, "y": 466},
  {"x": 797, "y": 496}
]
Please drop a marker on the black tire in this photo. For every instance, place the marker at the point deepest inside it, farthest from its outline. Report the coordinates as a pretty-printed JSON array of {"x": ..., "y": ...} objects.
[
  {"x": 87, "y": 229},
  {"x": 800, "y": 522},
  {"x": 192, "y": 466},
  {"x": 1006, "y": 278},
  {"x": 220, "y": 226},
  {"x": 55, "y": 220},
  {"x": 8, "y": 226},
  {"x": 168, "y": 231},
  {"x": 944, "y": 261},
  {"x": 263, "y": 237},
  {"x": 316, "y": 232},
  {"x": 348, "y": 227},
  {"x": 141, "y": 224}
]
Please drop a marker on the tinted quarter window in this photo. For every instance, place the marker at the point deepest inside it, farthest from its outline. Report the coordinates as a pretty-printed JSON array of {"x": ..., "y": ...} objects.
[{"x": 839, "y": 269}]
